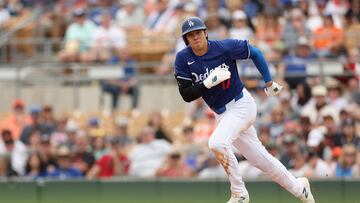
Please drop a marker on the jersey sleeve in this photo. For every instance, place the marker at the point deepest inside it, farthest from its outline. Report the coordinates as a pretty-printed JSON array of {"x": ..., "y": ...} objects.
[
  {"x": 237, "y": 49},
  {"x": 181, "y": 68}
]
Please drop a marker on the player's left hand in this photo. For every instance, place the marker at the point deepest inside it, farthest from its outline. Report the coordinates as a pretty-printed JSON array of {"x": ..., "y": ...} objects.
[{"x": 273, "y": 90}]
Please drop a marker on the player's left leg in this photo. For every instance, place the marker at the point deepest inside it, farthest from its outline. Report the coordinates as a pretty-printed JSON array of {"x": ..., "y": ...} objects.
[{"x": 251, "y": 148}]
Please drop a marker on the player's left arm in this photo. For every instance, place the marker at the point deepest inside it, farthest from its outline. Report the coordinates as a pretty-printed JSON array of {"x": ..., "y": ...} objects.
[{"x": 271, "y": 87}]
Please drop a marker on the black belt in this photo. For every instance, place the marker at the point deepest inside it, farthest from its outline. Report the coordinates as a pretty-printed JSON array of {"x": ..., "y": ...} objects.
[{"x": 222, "y": 109}]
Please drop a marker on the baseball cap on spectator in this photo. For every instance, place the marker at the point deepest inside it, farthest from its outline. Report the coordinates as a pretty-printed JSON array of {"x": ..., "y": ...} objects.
[
  {"x": 331, "y": 83},
  {"x": 35, "y": 109},
  {"x": 239, "y": 15},
  {"x": 18, "y": 103},
  {"x": 316, "y": 136},
  {"x": 79, "y": 12},
  {"x": 330, "y": 112},
  {"x": 63, "y": 151},
  {"x": 319, "y": 90},
  {"x": 93, "y": 121},
  {"x": 71, "y": 126},
  {"x": 303, "y": 41}
]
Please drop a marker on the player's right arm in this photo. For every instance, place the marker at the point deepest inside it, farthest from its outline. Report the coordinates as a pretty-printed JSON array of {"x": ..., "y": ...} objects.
[{"x": 188, "y": 91}]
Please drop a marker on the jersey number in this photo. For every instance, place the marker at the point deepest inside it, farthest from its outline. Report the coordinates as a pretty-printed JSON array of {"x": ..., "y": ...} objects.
[{"x": 225, "y": 84}]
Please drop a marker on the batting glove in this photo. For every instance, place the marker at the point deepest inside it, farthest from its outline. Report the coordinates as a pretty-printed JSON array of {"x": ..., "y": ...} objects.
[
  {"x": 273, "y": 90},
  {"x": 217, "y": 76}
]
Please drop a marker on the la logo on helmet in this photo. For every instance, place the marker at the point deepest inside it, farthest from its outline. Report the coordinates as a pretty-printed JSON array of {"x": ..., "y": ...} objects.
[{"x": 191, "y": 23}]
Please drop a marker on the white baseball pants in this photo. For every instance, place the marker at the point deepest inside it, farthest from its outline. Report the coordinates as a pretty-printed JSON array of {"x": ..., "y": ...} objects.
[{"x": 235, "y": 128}]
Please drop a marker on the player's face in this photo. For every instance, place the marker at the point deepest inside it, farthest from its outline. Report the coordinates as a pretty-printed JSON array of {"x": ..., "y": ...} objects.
[{"x": 197, "y": 39}]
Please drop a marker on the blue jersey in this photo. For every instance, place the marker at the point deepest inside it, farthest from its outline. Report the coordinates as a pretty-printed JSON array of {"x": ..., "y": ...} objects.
[{"x": 223, "y": 54}]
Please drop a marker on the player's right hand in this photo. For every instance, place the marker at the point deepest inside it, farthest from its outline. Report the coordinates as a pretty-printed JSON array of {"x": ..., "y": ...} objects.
[{"x": 216, "y": 77}]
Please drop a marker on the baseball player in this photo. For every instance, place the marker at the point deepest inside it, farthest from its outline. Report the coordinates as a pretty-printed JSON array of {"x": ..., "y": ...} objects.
[{"x": 207, "y": 69}]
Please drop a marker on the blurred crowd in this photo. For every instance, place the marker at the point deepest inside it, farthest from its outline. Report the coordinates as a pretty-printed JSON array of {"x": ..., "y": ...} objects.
[
  {"x": 112, "y": 31},
  {"x": 312, "y": 127},
  {"x": 313, "y": 130}
]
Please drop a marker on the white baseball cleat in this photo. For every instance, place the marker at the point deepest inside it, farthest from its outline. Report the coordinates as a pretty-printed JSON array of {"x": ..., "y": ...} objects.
[
  {"x": 239, "y": 199},
  {"x": 306, "y": 195}
]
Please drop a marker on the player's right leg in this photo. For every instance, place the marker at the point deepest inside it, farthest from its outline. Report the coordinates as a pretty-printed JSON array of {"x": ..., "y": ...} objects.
[{"x": 251, "y": 148}]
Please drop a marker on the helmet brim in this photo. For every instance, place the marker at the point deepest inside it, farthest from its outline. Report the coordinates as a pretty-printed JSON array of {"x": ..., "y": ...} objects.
[{"x": 193, "y": 29}]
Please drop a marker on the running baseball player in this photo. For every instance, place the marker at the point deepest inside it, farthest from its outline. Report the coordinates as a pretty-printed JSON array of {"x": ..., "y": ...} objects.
[{"x": 207, "y": 69}]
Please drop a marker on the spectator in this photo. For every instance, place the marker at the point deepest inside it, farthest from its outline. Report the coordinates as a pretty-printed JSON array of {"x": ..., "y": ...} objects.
[
  {"x": 130, "y": 16},
  {"x": 348, "y": 133},
  {"x": 148, "y": 155},
  {"x": 249, "y": 171},
  {"x": 158, "y": 18},
  {"x": 294, "y": 67},
  {"x": 335, "y": 94},
  {"x": 174, "y": 167},
  {"x": 294, "y": 30},
  {"x": 328, "y": 38},
  {"x": 77, "y": 38},
  {"x": 318, "y": 168},
  {"x": 301, "y": 97},
  {"x": 15, "y": 150},
  {"x": 277, "y": 123},
  {"x": 204, "y": 128},
  {"x": 59, "y": 136},
  {"x": 240, "y": 29},
  {"x": 121, "y": 132},
  {"x": 197, "y": 110},
  {"x": 107, "y": 41},
  {"x": 35, "y": 166},
  {"x": 114, "y": 163},
  {"x": 300, "y": 167},
  {"x": 37, "y": 124},
  {"x": 156, "y": 123},
  {"x": 48, "y": 117},
  {"x": 316, "y": 108},
  {"x": 83, "y": 159},
  {"x": 4, "y": 16},
  {"x": 17, "y": 120},
  {"x": 291, "y": 150},
  {"x": 127, "y": 84},
  {"x": 65, "y": 170},
  {"x": 346, "y": 161},
  {"x": 190, "y": 149},
  {"x": 213, "y": 169},
  {"x": 98, "y": 147},
  {"x": 215, "y": 29},
  {"x": 356, "y": 168},
  {"x": 268, "y": 37},
  {"x": 5, "y": 168}
]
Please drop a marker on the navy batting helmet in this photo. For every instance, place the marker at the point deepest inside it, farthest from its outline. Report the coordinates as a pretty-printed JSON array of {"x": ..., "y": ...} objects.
[{"x": 191, "y": 24}]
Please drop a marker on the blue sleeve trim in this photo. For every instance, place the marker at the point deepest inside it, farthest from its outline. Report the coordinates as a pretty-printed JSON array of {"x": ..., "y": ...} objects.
[{"x": 260, "y": 62}]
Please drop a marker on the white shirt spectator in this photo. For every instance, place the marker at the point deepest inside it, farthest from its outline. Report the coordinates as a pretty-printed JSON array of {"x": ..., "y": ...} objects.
[
  {"x": 126, "y": 18},
  {"x": 18, "y": 156},
  {"x": 145, "y": 159},
  {"x": 113, "y": 37},
  {"x": 4, "y": 16},
  {"x": 249, "y": 171},
  {"x": 213, "y": 172}
]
